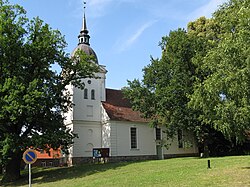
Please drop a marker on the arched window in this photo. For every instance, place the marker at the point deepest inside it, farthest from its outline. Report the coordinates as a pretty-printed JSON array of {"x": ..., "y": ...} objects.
[
  {"x": 85, "y": 93},
  {"x": 93, "y": 94}
]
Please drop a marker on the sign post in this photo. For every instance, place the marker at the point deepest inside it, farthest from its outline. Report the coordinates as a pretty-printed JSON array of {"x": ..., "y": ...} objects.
[
  {"x": 29, "y": 157},
  {"x": 29, "y": 175}
]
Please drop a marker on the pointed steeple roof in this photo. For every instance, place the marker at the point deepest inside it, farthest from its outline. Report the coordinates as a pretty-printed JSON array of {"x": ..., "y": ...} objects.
[
  {"x": 84, "y": 23},
  {"x": 84, "y": 36}
]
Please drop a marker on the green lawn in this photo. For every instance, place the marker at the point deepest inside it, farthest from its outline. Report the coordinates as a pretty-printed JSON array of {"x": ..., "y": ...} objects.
[{"x": 225, "y": 171}]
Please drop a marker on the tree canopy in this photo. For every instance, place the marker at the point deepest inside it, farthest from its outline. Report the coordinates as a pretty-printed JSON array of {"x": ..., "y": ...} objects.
[
  {"x": 224, "y": 95},
  {"x": 33, "y": 95},
  {"x": 166, "y": 83},
  {"x": 201, "y": 80}
]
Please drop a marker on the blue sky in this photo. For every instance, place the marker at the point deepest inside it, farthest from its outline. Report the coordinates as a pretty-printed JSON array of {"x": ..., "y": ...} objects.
[{"x": 124, "y": 33}]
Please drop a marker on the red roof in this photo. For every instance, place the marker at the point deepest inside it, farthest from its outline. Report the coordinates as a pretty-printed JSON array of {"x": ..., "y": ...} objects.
[
  {"x": 49, "y": 155},
  {"x": 119, "y": 108}
]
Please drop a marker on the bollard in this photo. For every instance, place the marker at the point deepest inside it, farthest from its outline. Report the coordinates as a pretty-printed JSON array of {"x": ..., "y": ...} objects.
[{"x": 208, "y": 164}]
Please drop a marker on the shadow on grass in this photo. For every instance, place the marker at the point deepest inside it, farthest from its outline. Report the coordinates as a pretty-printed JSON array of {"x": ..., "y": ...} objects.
[
  {"x": 245, "y": 168},
  {"x": 46, "y": 175}
]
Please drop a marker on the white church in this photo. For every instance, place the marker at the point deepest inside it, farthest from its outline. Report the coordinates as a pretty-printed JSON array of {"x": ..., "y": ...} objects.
[{"x": 103, "y": 118}]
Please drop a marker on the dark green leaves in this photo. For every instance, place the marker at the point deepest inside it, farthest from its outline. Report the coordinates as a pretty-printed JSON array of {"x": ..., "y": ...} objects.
[
  {"x": 32, "y": 94},
  {"x": 202, "y": 79}
]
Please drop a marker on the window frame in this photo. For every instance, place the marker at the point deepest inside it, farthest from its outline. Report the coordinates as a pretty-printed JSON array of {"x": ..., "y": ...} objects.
[
  {"x": 133, "y": 138},
  {"x": 85, "y": 93},
  {"x": 180, "y": 138},
  {"x": 92, "y": 94},
  {"x": 158, "y": 135}
]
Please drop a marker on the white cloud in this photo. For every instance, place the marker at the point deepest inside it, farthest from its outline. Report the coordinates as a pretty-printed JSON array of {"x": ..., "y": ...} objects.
[
  {"x": 98, "y": 8},
  {"x": 98, "y": 2},
  {"x": 132, "y": 39},
  {"x": 206, "y": 10},
  {"x": 138, "y": 33},
  {"x": 94, "y": 8}
]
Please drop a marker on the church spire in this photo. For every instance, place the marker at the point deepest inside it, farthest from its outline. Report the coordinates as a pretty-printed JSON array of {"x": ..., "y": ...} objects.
[{"x": 84, "y": 36}]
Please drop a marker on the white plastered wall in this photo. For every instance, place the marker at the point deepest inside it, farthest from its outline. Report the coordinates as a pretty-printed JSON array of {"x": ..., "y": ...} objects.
[
  {"x": 121, "y": 143},
  {"x": 146, "y": 144},
  {"x": 89, "y": 137},
  {"x": 188, "y": 141}
]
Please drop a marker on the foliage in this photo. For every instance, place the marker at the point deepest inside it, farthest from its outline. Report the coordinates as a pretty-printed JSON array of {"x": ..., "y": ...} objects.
[
  {"x": 162, "y": 94},
  {"x": 201, "y": 82},
  {"x": 33, "y": 96},
  {"x": 224, "y": 95}
]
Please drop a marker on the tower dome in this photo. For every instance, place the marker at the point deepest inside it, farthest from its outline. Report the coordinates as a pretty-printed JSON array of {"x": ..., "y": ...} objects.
[{"x": 83, "y": 43}]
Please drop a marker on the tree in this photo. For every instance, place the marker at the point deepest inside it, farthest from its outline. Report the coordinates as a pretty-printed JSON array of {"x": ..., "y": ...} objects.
[
  {"x": 224, "y": 95},
  {"x": 162, "y": 95},
  {"x": 201, "y": 82},
  {"x": 33, "y": 96},
  {"x": 207, "y": 31}
]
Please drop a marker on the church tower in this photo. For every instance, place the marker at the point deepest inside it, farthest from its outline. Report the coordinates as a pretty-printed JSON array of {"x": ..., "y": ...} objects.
[{"x": 85, "y": 117}]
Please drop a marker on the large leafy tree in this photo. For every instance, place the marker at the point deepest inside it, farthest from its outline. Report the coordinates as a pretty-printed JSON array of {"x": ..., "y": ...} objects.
[
  {"x": 33, "y": 96},
  {"x": 207, "y": 32},
  {"x": 162, "y": 95},
  {"x": 201, "y": 81},
  {"x": 224, "y": 95}
]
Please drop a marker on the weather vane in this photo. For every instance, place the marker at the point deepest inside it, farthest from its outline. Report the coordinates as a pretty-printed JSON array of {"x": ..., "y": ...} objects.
[{"x": 84, "y": 5}]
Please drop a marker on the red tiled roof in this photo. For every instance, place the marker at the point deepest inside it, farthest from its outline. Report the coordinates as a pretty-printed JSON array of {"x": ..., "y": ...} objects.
[
  {"x": 49, "y": 155},
  {"x": 119, "y": 108},
  {"x": 117, "y": 98}
]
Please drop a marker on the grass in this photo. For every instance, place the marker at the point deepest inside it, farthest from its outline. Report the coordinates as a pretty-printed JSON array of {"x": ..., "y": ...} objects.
[{"x": 225, "y": 171}]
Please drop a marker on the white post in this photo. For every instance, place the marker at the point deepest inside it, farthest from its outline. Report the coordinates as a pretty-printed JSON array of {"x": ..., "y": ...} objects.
[{"x": 29, "y": 175}]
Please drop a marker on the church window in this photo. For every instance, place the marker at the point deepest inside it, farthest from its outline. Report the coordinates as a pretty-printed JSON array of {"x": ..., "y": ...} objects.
[
  {"x": 85, "y": 93},
  {"x": 133, "y": 137},
  {"x": 93, "y": 94},
  {"x": 157, "y": 133},
  {"x": 180, "y": 138}
]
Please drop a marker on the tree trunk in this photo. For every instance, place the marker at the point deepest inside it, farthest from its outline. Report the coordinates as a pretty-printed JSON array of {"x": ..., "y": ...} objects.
[
  {"x": 12, "y": 170},
  {"x": 206, "y": 150}
]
